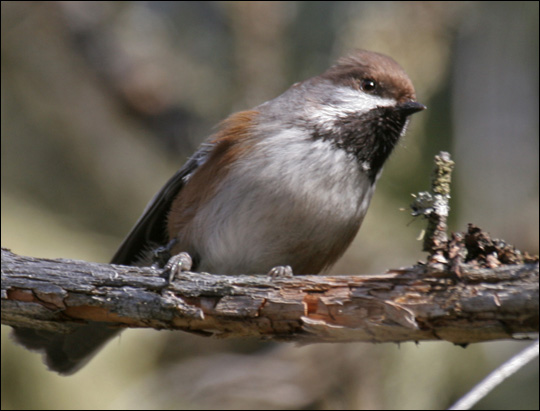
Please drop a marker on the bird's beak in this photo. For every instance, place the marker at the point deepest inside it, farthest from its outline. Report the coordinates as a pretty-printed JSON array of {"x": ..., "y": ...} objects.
[{"x": 410, "y": 107}]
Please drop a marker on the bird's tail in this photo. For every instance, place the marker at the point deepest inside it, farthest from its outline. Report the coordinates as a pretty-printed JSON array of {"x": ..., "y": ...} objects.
[{"x": 66, "y": 353}]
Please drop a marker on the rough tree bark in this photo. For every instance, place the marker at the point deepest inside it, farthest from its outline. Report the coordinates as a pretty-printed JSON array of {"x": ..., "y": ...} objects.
[
  {"x": 418, "y": 303},
  {"x": 473, "y": 288}
]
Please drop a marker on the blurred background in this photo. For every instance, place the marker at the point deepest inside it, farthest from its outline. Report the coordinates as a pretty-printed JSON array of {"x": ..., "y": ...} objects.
[{"x": 103, "y": 101}]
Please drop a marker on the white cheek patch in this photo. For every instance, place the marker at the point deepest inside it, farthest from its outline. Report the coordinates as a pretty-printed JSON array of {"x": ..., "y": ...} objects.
[{"x": 347, "y": 101}]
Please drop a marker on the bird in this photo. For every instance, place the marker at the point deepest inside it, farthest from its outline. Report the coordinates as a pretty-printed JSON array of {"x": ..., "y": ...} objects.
[{"x": 281, "y": 188}]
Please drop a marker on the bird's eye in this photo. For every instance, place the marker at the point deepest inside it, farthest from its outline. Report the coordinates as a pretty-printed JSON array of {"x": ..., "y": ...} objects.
[{"x": 368, "y": 85}]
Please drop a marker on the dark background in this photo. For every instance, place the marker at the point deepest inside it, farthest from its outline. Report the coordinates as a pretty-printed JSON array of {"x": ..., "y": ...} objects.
[{"x": 103, "y": 101}]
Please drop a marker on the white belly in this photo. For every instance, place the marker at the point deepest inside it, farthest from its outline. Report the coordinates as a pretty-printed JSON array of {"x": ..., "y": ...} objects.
[{"x": 283, "y": 211}]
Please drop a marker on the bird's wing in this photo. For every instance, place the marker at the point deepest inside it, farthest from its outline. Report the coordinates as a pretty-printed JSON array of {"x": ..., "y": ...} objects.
[{"x": 151, "y": 228}]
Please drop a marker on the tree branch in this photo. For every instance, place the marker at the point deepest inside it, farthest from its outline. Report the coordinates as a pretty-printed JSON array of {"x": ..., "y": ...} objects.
[{"x": 418, "y": 303}]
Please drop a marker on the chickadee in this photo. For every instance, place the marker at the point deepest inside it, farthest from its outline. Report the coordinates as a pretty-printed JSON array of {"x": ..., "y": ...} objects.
[{"x": 286, "y": 183}]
